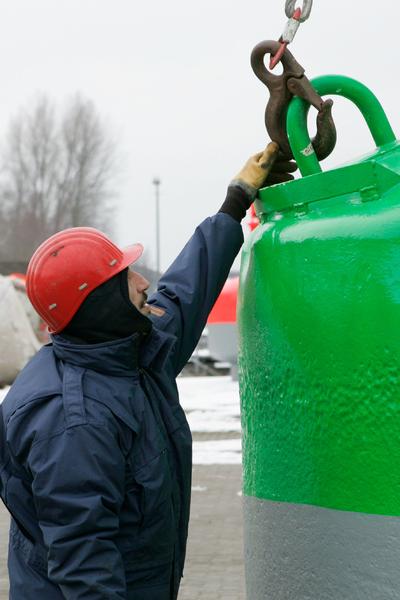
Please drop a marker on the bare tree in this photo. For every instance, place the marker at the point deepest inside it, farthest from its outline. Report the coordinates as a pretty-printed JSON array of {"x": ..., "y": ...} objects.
[{"x": 55, "y": 173}]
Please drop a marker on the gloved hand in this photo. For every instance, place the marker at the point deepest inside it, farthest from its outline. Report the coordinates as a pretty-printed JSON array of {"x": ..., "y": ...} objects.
[
  {"x": 265, "y": 168},
  {"x": 262, "y": 169},
  {"x": 256, "y": 170},
  {"x": 281, "y": 170}
]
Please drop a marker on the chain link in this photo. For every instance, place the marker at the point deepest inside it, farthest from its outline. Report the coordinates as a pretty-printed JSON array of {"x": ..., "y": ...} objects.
[
  {"x": 296, "y": 17},
  {"x": 290, "y": 9}
]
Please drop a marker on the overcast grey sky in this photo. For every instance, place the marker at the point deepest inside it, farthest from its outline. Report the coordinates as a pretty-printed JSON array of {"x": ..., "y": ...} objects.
[{"x": 173, "y": 79}]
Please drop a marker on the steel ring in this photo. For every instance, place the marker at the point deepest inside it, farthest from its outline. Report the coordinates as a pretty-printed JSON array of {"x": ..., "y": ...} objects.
[{"x": 305, "y": 11}]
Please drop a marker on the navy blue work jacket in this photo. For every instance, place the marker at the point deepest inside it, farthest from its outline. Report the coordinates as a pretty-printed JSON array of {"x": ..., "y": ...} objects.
[{"x": 95, "y": 449}]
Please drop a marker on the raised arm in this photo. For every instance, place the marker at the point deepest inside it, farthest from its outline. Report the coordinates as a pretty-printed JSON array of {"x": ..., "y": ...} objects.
[{"x": 191, "y": 285}]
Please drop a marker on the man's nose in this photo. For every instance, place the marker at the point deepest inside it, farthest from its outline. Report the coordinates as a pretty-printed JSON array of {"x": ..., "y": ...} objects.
[{"x": 142, "y": 283}]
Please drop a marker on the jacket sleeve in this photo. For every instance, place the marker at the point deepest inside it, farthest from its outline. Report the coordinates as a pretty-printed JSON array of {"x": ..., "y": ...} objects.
[
  {"x": 191, "y": 285},
  {"x": 78, "y": 487}
]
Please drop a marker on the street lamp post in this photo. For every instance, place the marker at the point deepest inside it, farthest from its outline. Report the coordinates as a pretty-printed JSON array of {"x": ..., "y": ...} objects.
[{"x": 156, "y": 183}]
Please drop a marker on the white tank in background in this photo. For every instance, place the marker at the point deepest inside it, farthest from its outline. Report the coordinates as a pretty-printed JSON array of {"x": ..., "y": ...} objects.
[{"x": 18, "y": 342}]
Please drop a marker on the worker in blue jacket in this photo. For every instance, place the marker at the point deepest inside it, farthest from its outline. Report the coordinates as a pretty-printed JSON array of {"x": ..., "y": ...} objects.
[{"x": 95, "y": 449}]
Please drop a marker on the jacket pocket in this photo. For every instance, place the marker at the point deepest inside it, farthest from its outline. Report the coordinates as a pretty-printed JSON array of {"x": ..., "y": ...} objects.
[
  {"x": 18, "y": 502},
  {"x": 151, "y": 496},
  {"x": 34, "y": 555},
  {"x": 150, "y": 582}
]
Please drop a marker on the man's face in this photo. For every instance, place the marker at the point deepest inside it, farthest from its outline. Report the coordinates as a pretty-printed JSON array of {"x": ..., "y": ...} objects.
[{"x": 137, "y": 291}]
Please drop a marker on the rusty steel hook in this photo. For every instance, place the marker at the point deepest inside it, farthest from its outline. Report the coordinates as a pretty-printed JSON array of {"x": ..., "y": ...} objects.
[{"x": 292, "y": 82}]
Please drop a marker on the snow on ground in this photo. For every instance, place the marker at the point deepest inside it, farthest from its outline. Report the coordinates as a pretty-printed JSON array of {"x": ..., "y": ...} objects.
[
  {"x": 3, "y": 392},
  {"x": 217, "y": 452},
  {"x": 211, "y": 405}
]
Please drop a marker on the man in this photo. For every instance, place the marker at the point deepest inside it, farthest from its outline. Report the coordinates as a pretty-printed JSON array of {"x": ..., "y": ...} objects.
[{"x": 95, "y": 450}]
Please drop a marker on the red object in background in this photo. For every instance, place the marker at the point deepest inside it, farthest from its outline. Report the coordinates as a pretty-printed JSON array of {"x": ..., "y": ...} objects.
[
  {"x": 224, "y": 310},
  {"x": 254, "y": 220}
]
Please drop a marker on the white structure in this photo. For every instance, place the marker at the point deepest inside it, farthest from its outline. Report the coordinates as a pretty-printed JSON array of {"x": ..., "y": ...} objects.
[{"x": 18, "y": 342}]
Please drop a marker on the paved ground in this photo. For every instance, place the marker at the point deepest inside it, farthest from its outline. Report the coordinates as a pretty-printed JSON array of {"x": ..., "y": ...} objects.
[
  {"x": 3, "y": 552},
  {"x": 214, "y": 566}
]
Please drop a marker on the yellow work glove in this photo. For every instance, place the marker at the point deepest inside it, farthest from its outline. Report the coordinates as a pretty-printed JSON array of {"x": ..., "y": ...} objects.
[
  {"x": 262, "y": 169},
  {"x": 256, "y": 170}
]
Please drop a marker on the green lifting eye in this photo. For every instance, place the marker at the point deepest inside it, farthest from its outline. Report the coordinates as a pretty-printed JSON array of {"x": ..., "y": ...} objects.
[{"x": 339, "y": 85}]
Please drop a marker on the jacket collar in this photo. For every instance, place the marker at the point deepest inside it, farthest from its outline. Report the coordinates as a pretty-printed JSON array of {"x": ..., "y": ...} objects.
[
  {"x": 122, "y": 357},
  {"x": 156, "y": 349}
]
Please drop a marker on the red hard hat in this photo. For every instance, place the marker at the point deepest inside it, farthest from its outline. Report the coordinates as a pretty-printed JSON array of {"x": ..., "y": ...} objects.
[{"x": 68, "y": 266}]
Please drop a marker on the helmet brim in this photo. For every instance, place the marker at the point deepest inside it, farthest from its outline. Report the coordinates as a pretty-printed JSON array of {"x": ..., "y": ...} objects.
[{"x": 131, "y": 254}]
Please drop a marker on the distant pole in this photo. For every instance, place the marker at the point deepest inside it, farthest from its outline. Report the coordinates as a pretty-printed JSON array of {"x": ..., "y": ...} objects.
[{"x": 156, "y": 183}]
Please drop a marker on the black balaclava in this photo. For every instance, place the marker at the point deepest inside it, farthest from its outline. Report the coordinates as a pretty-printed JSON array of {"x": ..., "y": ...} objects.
[{"x": 107, "y": 314}]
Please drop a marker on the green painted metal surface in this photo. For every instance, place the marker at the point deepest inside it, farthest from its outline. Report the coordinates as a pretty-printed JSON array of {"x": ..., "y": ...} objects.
[{"x": 319, "y": 325}]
